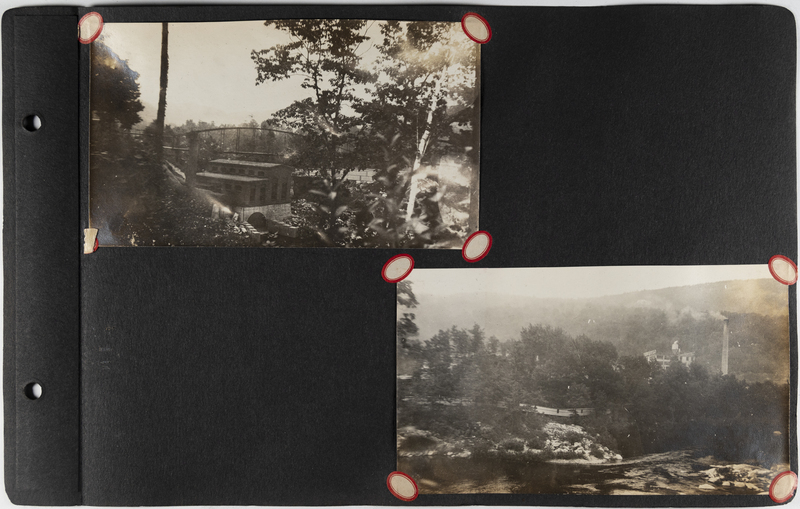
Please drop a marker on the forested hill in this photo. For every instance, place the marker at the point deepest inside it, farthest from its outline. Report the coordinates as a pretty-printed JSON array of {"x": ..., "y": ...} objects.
[
  {"x": 640, "y": 321},
  {"x": 762, "y": 296}
]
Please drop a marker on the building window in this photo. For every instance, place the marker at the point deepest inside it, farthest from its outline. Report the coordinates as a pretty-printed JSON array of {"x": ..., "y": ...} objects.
[
  {"x": 261, "y": 174},
  {"x": 274, "y": 191},
  {"x": 252, "y": 194},
  {"x": 284, "y": 190},
  {"x": 262, "y": 194},
  {"x": 238, "y": 189}
]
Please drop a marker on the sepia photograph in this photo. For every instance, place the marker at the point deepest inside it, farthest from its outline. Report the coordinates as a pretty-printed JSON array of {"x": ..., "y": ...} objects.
[
  {"x": 285, "y": 133},
  {"x": 637, "y": 380}
]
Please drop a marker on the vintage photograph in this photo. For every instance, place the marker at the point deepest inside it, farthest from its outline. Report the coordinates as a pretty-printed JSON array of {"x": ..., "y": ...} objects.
[
  {"x": 661, "y": 380},
  {"x": 285, "y": 133}
]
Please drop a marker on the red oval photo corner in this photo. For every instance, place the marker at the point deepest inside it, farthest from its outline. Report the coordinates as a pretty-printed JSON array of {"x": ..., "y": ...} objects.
[
  {"x": 89, "y": 27},
  {"x": 397, "y": 268},
  {"x": 402, "y": 486},
  {"x": 783, "y": 269},
  {"x": 783, "y": 487},
  {"x": 476, "y": 27},
  {"x": 477, "y": 246}
]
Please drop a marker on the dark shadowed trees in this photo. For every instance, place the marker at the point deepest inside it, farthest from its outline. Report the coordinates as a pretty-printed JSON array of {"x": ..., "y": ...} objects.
[{"x": 115, "y": 92}]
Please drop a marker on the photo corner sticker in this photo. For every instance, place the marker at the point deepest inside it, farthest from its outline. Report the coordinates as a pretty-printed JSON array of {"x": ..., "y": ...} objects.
[
  {"x": 89, "y": 27},
  {"x": 476, "y": 27},
  {"x": 783, "y": 487},
  {"x": 402, "y": 486},
  {"x": 90, "y": 241},
  {"x": 397, "y": 268},
  {"x": 783, "y": 269},
  {"x": 477, "y": 246}
]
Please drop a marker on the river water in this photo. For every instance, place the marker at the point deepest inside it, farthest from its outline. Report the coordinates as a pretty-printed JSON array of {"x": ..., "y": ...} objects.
[{"x": 671, "y": 473}]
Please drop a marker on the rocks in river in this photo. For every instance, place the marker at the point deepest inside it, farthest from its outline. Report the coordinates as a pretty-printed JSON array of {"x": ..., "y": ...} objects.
[
  {"x": 711, "y": 474},
  {"x": 571, "y": 442},
  {"x": 706, "y": 487},
  {"x": 462, "y": 454},
  {"x": 554, "y": 442}
]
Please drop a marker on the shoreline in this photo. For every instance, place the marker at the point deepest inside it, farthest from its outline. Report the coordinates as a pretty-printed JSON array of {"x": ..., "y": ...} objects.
[{"x": 565, "y": 443}]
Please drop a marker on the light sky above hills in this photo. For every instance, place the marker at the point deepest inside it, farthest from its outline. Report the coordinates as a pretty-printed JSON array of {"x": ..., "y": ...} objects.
[
  {"x": 575, "y": 282},
  {"x": 211, "y": 74}
]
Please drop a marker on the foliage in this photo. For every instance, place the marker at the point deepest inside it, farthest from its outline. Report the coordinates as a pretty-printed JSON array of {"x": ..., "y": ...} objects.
[
  {"x": 513, "y": 444},
  {"x": 421, "y": 94},
  {"x": 406, "y": 328},
  {"x": 425, "y": 94},
  {"x": 638, "y": 407},
  {"x": 325, "y": 54},
  {"x": 115, "y": 92}
]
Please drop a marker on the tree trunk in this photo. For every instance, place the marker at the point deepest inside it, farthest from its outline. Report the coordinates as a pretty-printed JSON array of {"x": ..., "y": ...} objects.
[
  {"x": 162, "y": 96},
  {"x": 422, "y": 147}
]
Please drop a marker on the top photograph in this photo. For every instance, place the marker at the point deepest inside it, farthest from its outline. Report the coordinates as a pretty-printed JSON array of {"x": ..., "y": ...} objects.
[{"x": 285, "y": 133}]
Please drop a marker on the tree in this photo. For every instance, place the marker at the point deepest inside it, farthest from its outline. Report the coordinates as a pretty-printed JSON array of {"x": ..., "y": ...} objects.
[
  {"x": 427, "y": 83},
  {"x": 324, "y": 53},
  {"x": 493, "y": 345},
  {"x": 406, "y": 328},
  {"x": 476, "y": 341},
  {"x": 460, "y": 340},
  {"x": 162, "y": 94},
  {"x": 438, "y": 355},
  {"x": 115, "y": 92}
]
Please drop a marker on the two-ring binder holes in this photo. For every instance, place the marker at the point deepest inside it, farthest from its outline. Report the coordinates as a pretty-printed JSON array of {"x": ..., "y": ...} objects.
[
  {"x": 33, "y": 391},
  {"x": 32, "y": 123}
]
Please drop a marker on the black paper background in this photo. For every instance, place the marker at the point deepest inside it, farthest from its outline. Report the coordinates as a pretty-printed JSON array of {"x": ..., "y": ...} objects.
[{"x": 610, "y": 136}]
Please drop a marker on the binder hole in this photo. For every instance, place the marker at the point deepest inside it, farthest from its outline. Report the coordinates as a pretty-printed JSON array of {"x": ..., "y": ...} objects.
[
  {"x": 33, "y": 390},
  {"x": 32, "y": 123}
]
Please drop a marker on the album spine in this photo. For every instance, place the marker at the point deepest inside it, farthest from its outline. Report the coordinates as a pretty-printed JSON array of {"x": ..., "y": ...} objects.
[{"x": 41, "y": 253}]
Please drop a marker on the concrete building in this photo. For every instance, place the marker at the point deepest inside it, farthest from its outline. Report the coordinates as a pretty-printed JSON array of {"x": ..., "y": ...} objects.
[{"x": 255, "y": 191}]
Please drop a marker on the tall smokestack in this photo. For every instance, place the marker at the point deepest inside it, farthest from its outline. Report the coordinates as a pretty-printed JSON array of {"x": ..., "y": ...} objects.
[{"x": 725, "y": 340}]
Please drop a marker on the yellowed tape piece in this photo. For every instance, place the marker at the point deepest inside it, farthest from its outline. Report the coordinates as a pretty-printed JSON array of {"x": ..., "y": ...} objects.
[{"x": 90, "y": 242}]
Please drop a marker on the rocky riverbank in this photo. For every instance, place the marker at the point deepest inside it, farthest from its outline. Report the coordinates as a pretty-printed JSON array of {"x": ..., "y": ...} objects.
[
  {"x": 670, "y": 473},
  {"x": 557, "y": 442},
  {"x": 680, "y": 473}
]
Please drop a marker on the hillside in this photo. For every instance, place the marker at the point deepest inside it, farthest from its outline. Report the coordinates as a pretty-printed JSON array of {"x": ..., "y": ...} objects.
[{"x": 639, "y": 321}]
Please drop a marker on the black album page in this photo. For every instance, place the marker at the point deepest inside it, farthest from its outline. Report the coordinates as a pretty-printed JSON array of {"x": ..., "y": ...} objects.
[{"x": 387, "y": 255}]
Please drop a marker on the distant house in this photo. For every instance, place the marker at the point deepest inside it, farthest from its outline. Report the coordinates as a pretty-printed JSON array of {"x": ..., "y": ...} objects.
[
  {"x": 686, "y": 358},
  {"x": 255, "y": 191}
]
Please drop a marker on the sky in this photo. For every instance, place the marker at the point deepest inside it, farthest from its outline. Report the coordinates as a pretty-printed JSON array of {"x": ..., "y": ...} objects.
[
  {"x": 211, "y": 75},
  {"x": 575, "y": 282}
]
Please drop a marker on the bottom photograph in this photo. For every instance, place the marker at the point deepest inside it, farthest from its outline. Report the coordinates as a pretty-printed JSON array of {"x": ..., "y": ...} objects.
[{"x": 659, "y": 380}]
